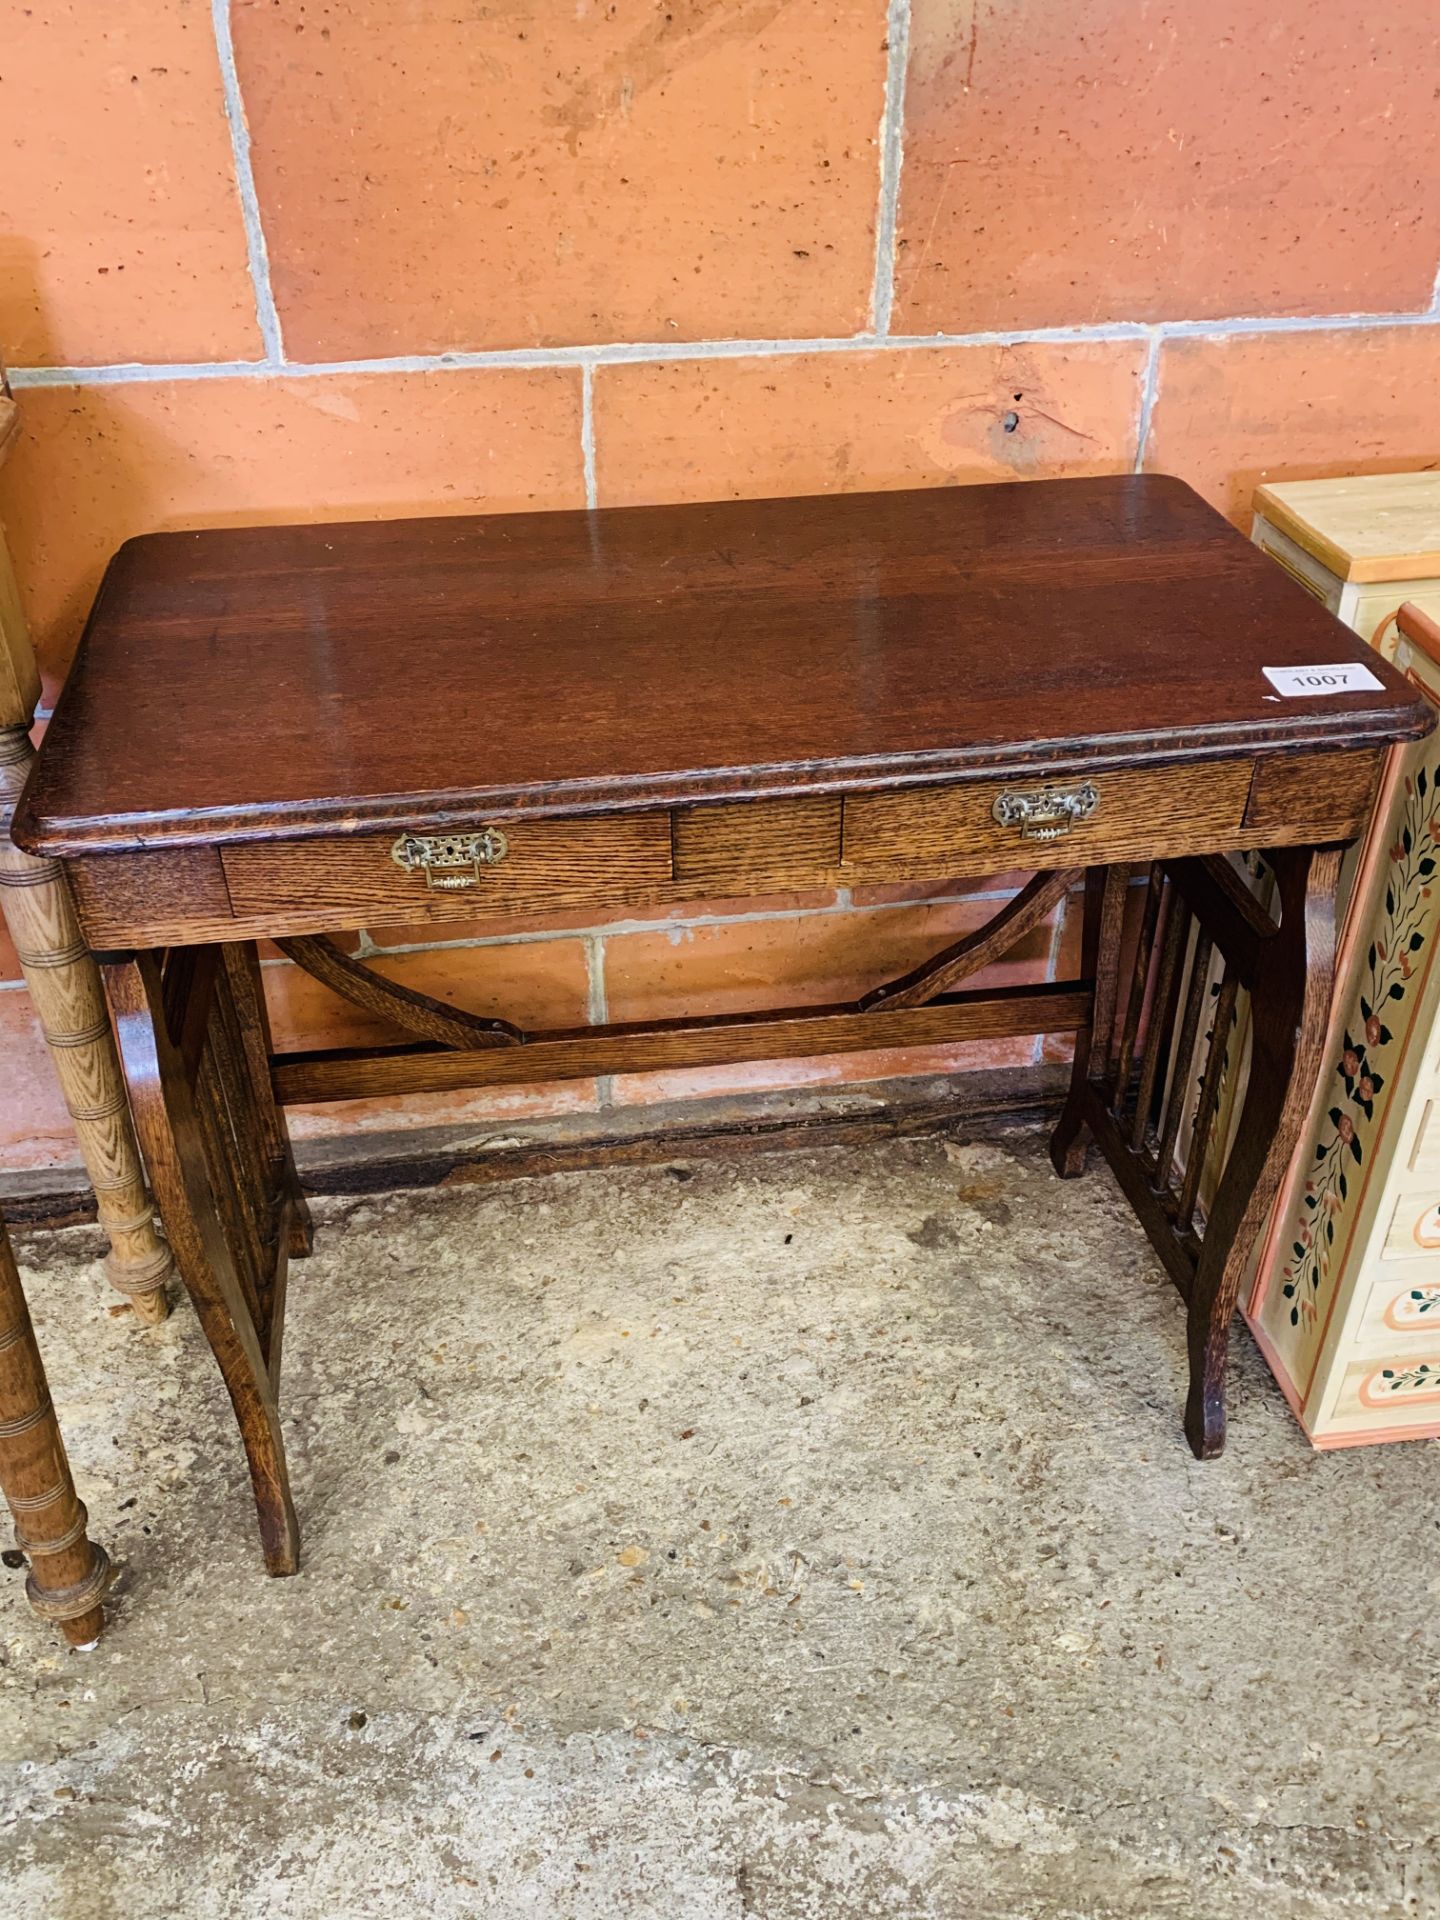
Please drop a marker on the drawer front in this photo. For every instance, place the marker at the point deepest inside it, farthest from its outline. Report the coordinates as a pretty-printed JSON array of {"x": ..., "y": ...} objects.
[
  {"x": 1414, "y": 1231},
  {"x": 1401, "y": 1306},
  {"x": 535, "y": 866},
  {"x": 1392, "y": 1390},
  {"x": 1139, "y": 813}
]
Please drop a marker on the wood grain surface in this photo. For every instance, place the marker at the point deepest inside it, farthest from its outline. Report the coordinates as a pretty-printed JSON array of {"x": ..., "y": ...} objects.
[{"x": 252, "y": 683}]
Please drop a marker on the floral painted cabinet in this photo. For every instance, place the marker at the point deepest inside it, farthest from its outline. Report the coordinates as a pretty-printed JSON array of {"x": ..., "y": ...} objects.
[{"x": 1346, "y": 1297}]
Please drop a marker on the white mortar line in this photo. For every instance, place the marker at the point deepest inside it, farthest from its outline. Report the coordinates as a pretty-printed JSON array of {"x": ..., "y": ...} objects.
[
  {"x": 1435, "y": 296},
  {"x": 625, "y": 352},
  {"x": 255, "y": 249},
  {"x": 587, "y": 430},
  {"x": 892, "y": 157},
  {"x": 1148, "y": 384},
  {"x": 597, "y": 1008}
]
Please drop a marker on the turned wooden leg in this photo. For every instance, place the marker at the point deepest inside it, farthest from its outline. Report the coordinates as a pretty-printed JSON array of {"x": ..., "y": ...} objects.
[
  {"x": 68, "y": 1572},
  {"x": 203, "y": 1136},
  {"x": 1099, "y": 961},
  {"x": 65, "y": 988},
  {"x": 1290, "y": 1007}
]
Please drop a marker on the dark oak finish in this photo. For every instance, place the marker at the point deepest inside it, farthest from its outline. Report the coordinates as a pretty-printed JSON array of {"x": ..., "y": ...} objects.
[
  {"x": 712, "y": 1041},
  {"x": 414, "y": 672},
  {"x": 1331, "y": 791},
  {"x": 548, "y": 864},
  {"x": 914, "y": 829},
  {"x": 1289, "y": 976},
  {"x": 227, "y": 1205},
  {"x": 651, "y": 705}
]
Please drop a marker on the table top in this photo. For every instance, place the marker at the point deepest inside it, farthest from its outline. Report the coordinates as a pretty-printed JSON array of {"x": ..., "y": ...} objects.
[{"x": 253, "y": 683}]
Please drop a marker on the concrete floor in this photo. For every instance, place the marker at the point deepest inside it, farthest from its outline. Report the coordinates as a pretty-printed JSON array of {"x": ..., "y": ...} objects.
[{"x": 800, "y": 1536}]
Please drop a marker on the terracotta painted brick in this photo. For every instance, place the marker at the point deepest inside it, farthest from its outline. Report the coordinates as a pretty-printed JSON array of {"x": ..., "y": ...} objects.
[
  {"x": 589, "y": 919},
  {"x": 97, "y": 464},
  {"x": 499, "y": 926},
  {"x": 123, "y": 235},
  {"x": 533, "y": 175},
  {"x": 840, "y": 423},
  {"x": 1235, "y": 411},
  {"x": 900, "y": 892},
  {"x": 538, "y": 983},
  {"x": 35, "y": 1129},
  {"x": 809, "y": 959},
  {"x": 770, "y": 1076},
  {"x": 1129, "y": 160},
  {"x": 9, "y": 959},
  {"x": 488, "y": 1108}
]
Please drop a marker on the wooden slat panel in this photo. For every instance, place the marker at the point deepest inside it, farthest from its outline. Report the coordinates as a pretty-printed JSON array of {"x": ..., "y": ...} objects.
[
  {"x": 583, "y": 1052},
  {"x": 1145, "y": 813}
]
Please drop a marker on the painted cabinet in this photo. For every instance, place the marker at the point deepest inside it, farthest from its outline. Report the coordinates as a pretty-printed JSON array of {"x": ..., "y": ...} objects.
[{"x": 1345, "y": 1298}]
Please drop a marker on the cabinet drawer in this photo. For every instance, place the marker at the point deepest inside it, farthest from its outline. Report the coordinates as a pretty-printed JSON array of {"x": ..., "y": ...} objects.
[
  {"x": 1402, "y": 1304},
  {"x": 542, "y": 864},
  {"x": 1139, "y": 813}
]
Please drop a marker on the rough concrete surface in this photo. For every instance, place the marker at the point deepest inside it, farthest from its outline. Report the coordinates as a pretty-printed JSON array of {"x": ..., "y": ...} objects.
[{"x": 799, "y": 1536}]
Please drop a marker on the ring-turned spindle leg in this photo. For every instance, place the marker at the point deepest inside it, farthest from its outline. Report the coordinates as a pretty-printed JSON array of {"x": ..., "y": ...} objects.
[
  {"x": 1290, "y": 1007},
  {"x": 1099, "y": 961},
  {"x": 68, "y": 1572},
  {"x": 226, "y": 1208}
]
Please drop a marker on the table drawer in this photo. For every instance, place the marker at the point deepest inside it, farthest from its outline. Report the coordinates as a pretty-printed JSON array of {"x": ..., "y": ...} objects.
[
  {"x": 1137, "y": 813},
  {"x": 531, "y": 867}
]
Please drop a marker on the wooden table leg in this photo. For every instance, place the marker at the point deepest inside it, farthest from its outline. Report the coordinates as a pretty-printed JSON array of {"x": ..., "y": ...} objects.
[
  {"x": 198, "y": 1073},
  {"x": 65, "y": 989},
  {"x": 68, "y": 1572}
]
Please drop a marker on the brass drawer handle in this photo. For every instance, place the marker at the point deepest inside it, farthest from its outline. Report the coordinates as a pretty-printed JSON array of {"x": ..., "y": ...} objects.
[
  {"x": 1045, "y": 813},
  {"x": 450, "y": 861}
]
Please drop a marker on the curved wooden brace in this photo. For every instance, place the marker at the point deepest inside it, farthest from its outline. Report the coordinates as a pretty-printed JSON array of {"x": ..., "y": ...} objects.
[
  {"x": 1034, "y": 900},
  {"x": 401, "y": 1006}
]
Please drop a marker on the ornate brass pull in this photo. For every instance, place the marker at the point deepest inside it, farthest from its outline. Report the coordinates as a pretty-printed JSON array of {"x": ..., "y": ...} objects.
[
  {"x": 450, "y": 861},
  {"x": 1045, "y": 813}
]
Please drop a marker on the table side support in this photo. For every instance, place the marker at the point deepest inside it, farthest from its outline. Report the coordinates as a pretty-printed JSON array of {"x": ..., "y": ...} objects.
[
  {"x": 65, "y": 991},
  {"x": 1136, "y": 1119},
  {"x": 230, "y": 1208},
  {"x": 68, "y": 1571}
]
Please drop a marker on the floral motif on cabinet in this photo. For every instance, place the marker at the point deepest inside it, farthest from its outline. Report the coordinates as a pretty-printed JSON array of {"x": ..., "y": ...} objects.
[{"x": 1361, "y": 1073}]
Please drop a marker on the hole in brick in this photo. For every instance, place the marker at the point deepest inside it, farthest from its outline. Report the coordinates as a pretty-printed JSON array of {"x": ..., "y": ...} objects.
[{"x": 1010, "y": 422}]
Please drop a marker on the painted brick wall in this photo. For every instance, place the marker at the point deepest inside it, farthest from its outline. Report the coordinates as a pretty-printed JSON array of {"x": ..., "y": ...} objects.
[{"x": 325, "y": 258}]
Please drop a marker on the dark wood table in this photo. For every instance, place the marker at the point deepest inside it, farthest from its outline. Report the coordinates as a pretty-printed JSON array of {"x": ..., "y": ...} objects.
[{"x": 284, "y": 732}]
